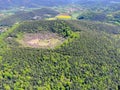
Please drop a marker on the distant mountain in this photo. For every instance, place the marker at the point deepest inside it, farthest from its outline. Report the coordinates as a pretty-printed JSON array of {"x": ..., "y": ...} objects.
[
  {"x": 31, "y": 3},
  {"x": 36, "y": 3},
  {"x": 95, "y": 1}
]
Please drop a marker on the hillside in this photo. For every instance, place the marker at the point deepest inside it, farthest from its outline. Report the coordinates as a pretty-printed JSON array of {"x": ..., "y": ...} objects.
[
  {"x": 31, "y": 15},
  {"x": 100, "y": 10},
  {"x": 87, "y": 59}
]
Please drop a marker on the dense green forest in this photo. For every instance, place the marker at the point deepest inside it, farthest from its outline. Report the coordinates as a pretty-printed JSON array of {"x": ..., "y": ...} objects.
[
  {"x": 40, "y": 52},
  {"x": 89, "y": 58}
]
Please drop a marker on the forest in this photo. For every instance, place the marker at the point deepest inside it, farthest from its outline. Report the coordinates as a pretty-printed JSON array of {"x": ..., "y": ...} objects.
[
  {"x": 59, "y": 44},
  {"x": 88, "y": 59}
]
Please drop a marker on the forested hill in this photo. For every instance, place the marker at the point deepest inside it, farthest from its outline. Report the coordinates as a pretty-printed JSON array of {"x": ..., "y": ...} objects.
[
  {"x": 75, "y": 25},
  {"x": 88, "y": 58},
  {"x": 31, "y": 15}
]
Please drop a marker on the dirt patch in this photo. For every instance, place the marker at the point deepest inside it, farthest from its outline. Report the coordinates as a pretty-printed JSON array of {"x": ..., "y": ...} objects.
[{"x": 41, "y": 40}]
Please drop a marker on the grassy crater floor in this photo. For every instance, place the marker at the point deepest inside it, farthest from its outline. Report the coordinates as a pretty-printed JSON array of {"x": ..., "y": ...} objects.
[{"x": 40, "y": 40}]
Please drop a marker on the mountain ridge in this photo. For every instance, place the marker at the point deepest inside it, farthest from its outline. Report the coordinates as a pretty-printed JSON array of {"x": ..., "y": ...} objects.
[{"x": 32, "y": 3}]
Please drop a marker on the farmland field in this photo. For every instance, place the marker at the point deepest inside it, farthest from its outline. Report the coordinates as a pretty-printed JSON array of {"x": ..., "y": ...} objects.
[{"x": 63, "y": 17}]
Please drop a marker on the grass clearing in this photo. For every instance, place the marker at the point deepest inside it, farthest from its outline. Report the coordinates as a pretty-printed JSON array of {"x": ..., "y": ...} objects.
[{"x": 41, "y": 40}]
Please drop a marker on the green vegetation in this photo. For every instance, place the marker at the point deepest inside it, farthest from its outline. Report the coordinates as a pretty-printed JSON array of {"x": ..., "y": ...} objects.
[
  {"x": 88, "y": 59},
  {"x": 55, "y": 26},
  {"x": 100, "y": 10},
  {"x": 30, "y": 15},
  {"x": 69, "y": 47}
]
